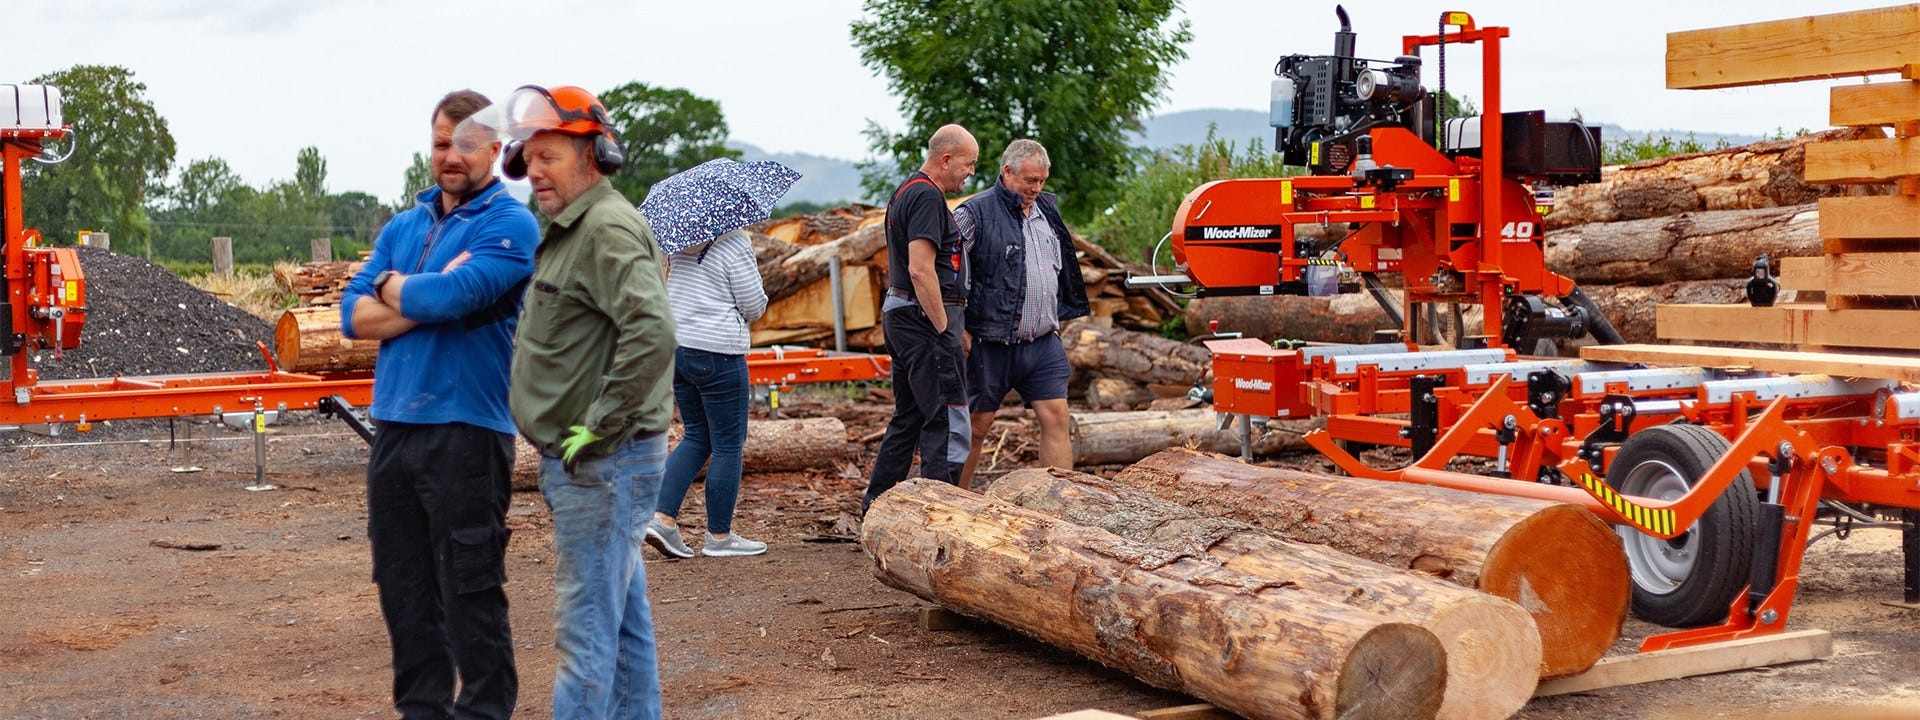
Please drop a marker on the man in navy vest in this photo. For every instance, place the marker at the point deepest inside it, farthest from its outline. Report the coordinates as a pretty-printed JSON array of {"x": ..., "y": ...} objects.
[
  {"x": 1025, "y": 283},
  {"x": 926, "y": 289}
]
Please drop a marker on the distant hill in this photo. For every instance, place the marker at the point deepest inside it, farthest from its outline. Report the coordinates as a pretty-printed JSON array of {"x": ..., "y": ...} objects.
[{"x": 823, "y": 179}]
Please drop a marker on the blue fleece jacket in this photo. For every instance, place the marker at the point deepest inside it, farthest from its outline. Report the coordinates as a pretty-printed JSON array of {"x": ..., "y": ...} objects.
[{"x": 453, "y": 367}]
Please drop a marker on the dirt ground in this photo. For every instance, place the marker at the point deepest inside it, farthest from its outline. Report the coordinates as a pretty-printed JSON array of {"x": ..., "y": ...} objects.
[{"x": 105, "y": 612}]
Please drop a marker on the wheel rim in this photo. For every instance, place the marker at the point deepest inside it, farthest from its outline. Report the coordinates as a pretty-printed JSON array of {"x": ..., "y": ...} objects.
[{"x": 1659, "y": 566}]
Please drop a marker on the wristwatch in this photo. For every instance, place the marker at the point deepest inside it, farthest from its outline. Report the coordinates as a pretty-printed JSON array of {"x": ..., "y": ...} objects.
[{"x": 381, "y": 280}]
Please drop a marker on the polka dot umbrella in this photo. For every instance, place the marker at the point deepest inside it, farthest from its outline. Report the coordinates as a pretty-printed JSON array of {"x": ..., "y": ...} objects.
[{"x": 714, "y": 198}]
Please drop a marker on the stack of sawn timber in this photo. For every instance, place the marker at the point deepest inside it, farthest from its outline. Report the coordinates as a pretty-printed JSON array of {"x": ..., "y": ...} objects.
[
  {"x": 1271, "y": 593},
  {"x": 795, "y": 257},
  {"x": 1865, "y": 278},
  {"x": 1677, "y": 229}
]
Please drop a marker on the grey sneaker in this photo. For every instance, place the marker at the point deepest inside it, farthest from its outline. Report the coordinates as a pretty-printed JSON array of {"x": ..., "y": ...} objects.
[
  {"x": 666, "y": 539},
  {"x": 732, "y": 546}
]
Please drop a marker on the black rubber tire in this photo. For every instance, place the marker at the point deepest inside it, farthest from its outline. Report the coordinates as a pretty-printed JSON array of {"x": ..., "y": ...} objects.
[{"x": 1667, "y": 590}]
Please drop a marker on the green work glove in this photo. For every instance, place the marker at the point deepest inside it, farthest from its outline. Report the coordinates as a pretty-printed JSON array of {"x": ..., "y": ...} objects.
[{"x": 571, "y": 444}]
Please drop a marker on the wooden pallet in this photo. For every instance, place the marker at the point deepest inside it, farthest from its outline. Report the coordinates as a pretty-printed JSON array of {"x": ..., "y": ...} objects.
[{"x": 1865, "y": 292}]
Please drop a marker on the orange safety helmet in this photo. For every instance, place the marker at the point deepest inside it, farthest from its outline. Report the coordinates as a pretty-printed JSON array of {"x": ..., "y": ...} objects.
[{"x": 566, "y": 109}]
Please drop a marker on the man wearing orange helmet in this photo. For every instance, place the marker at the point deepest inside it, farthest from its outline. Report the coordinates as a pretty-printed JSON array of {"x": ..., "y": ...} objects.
[{"x": 591, "y": 387}]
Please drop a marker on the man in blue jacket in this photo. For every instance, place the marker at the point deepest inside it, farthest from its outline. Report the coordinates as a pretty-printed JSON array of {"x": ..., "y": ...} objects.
[
  {"x": 1025, "y": 283},
  {"x": 442, "y": 293}
]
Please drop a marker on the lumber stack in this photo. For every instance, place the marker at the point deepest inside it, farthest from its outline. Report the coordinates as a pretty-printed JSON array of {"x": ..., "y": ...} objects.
[
  {"x": 1264, "y": 590},
  {"x": 1860, "y": 290},
  {"x": 317, "y": 283}
]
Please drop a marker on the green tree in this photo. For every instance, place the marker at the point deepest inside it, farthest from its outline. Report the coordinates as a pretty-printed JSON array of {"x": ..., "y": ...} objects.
[
  {"x": 1149, "y": 196},
  {"x": 310, "y": 172},
  {"x": 419, "y": 177},
  {"x": 1075, "y": 75},
  {"x": 122, "y": 154},
  {"x": 662, "y": 131}
]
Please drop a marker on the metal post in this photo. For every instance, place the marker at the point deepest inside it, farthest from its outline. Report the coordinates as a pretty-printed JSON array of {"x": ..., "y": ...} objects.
[
  {"x": 1246, "y": 438},
  {"x": 839, "y": 304},
  {"x": 259, "y": 426}
]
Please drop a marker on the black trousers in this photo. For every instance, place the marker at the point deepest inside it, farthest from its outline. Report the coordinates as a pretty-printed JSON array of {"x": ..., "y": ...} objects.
[
  {"x": 437, "y": 500},
  {"x": 929, "y": 402}
]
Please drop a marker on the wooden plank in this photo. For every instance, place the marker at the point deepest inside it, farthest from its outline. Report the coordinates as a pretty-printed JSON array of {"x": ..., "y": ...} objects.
[
  {"x": 812, "y": 306},
  {"x": 1790, "y": 324},
  {"x": 1196, "y": 711},
  {"x": 936, "y": 618},
  {"x": 1885, "y": 367},
  {"x": 1883, "y": 216},
  {"x": 1882, "y": 40},
  {"x": 1803, "y": 274},
  {"x": 1873, "y": 274},
  {"x": 1799, "y": 646},
  {"x": 1875, "y": 104},
  {"x": 1863, "y": 161}
]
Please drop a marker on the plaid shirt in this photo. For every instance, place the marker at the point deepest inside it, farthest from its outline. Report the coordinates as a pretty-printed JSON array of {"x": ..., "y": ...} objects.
[{"x": 1039, "y": 310}]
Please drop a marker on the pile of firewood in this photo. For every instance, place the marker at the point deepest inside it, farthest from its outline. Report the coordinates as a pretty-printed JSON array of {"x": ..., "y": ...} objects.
[
  {"x": 1271, "y": 593},
  {"x": 1678, "y": 229},
  {"x": 316, "y": 283},
  {"x": 795, "y": 253}
]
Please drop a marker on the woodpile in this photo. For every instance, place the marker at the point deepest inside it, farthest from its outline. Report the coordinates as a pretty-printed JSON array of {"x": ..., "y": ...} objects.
[
  {"x": 316, "y": 283},
  {"x": 795, "y": 257},
  {"x": 1138, "y": 571}
]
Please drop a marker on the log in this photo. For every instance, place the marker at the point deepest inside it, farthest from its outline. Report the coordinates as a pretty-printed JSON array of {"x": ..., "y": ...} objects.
[
  {"x": 1112, "y": 352},
  {"x": 1256, "y": 647},
  {"x": 1493, "y": 648},
  {"x": 1691, "y": 246},
  {"x": 808, "y": 264},
  {"x": 1558, "y": 561},
  {"x": 1110, "y": 438},
  {"x": 783, "y": 445},
  {"x": 309, "y": 340},
  {"x": 1117, "y": 394},
  {"x": 1762, "y": 174}
]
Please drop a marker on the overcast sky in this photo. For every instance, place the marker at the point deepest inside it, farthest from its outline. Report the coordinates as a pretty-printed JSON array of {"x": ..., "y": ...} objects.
[{"x": 253, "y": 81}]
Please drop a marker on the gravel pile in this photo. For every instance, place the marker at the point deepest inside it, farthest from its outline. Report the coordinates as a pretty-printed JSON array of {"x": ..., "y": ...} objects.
[{"x": 144, "y": 320}]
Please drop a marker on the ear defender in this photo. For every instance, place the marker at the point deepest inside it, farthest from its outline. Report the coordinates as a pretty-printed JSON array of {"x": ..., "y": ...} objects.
[{"x": 515, "y": 164}]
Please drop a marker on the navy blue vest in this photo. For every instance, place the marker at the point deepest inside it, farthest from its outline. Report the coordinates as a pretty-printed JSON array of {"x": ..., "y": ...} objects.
[{"x": 999, "y": 264}]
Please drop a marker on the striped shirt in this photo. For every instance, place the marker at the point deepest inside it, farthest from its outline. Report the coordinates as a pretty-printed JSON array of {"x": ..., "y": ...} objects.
[
  {"x": 714, "y": 297},
  {"x": 1039, "y": 310}
]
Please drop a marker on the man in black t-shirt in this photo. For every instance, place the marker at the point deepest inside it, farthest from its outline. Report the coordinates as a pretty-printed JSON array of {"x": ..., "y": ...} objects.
[{"x": 922, "y": 319}]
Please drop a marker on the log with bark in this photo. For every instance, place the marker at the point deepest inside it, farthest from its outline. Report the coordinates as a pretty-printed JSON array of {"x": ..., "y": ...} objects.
[
  {"x": 785, "y": 445},
  {"x": 1112, "y": 438},
  {"x": 809, "y": 264},
  {"x": 309, "y": 340},
  {"x": 1558, "y": 561},
  {"x": 1493, "y": 648},
  {"x": 1256, "y": 647},
  {"x": 1691, "y": 246},
  {"x": 1113, "y": 352},
  {"x": 1763, "y": 174},
  {"x": 1107, "y": 393}
]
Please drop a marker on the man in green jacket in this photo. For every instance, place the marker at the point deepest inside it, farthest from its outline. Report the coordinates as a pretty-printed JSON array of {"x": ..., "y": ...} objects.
[{"x": 591, "y": 387}]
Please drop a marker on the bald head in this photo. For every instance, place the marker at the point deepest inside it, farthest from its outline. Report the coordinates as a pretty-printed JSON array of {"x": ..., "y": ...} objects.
[{"x": 951, "y": 155}]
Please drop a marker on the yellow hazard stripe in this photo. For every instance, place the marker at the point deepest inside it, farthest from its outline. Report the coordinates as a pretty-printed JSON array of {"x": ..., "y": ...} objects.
[{"x": 1658, "y": 521}]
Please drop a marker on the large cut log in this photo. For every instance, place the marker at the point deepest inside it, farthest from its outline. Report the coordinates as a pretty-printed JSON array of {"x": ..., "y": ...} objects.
[
  {"x": 1691, "y": 246},
  {"x": 1107, "y": 393},
  {"x": 309, "y": 340},
  {"x": 1112, "y": 352},
  {"x": 1259, "y": 648},
  {"x": 785, "y": 445},
  {"x": 1493, "y": 648},
  {"x": 1632, "y": 308},
  {"x": 1558, "y": 561},
  {"x": 810, "y": 263},
  {"x": 1763, "y": 174},
  {"x": 1112, "y": 438}
]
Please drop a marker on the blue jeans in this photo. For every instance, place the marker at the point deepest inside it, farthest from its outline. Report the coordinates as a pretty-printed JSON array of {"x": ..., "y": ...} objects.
[
  {"x": 711, "y": 389},
  {"x": 608, "y": 665}
]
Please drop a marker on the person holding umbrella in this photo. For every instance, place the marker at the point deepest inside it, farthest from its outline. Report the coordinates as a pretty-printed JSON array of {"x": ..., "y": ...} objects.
[{"x": 713, "y": 285}]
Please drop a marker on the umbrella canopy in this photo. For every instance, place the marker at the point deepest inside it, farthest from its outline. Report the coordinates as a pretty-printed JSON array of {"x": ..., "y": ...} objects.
[{"x": 714, "y": 198}]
